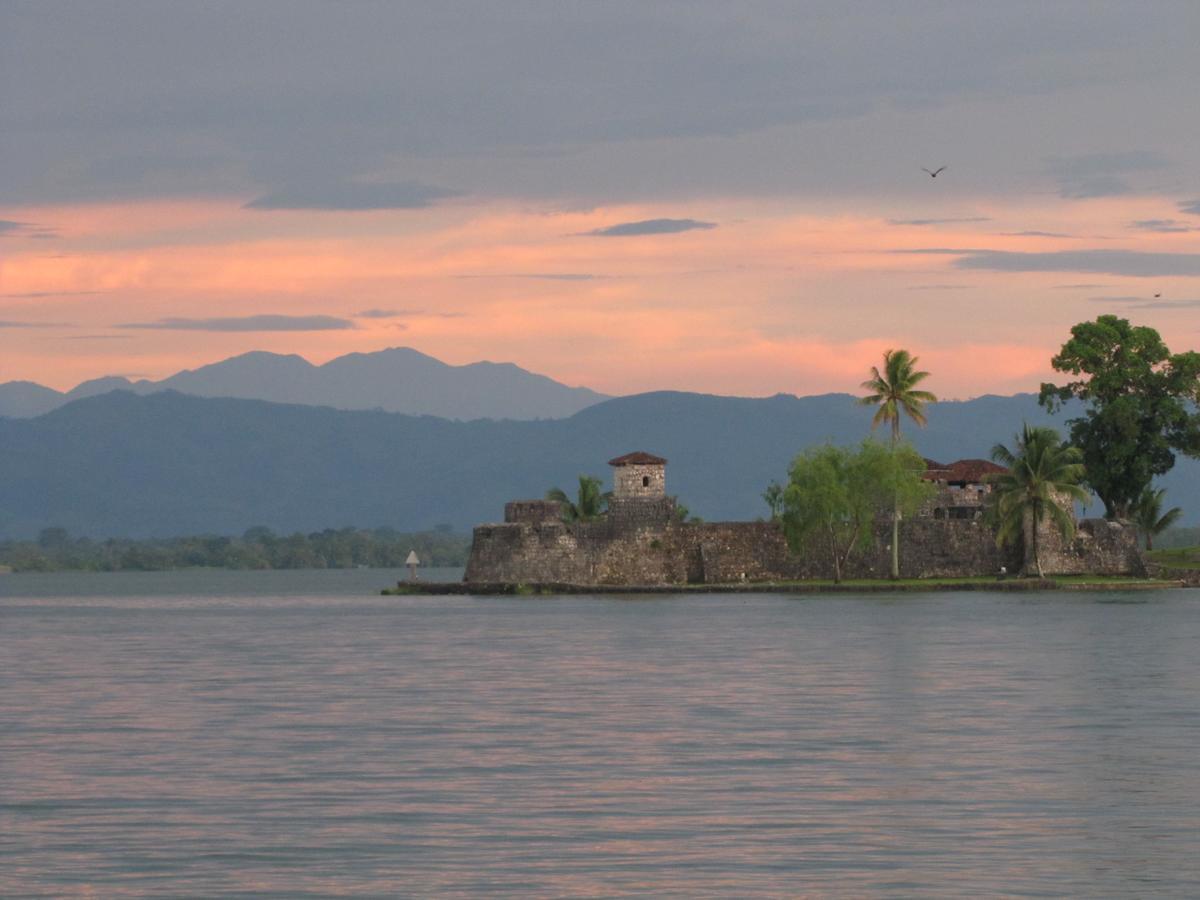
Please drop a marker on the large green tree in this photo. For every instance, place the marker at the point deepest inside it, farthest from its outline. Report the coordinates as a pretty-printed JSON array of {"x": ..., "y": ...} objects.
[
  {"x": 588, "y": 504},
  {"x": 1041, "y": 483},
  {"x": 834, "y": 496},
  {"x": 1140, "y": 407},
  {"x": 894, "y": 391}
]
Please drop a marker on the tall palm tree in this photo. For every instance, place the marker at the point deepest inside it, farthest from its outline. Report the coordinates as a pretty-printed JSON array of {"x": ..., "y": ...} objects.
[
  {"x": 1042, "y": 480},
  {"x": 894, "y": 391},
  {"x": 1149, "y": 517},
  {"x": 589, "y": 503}
]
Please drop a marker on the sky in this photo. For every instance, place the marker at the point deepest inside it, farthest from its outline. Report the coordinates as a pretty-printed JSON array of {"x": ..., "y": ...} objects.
[{"x": 630, "y": 196}]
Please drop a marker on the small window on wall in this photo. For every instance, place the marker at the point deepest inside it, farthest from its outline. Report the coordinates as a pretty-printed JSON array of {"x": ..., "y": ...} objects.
[{"x": 645, "y": 481}]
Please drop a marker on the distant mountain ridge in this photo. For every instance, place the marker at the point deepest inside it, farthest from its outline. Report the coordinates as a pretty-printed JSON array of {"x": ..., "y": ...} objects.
[
  {"x": 398, "y": 379},
  {"x": 171, "y": 464}
]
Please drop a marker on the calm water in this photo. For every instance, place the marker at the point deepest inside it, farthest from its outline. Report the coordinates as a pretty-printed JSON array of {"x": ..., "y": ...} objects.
[{"x": 291, "y": 735}]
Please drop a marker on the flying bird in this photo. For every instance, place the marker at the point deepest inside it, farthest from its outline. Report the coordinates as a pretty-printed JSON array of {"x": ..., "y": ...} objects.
[
  {"x": 934, "y": 173},
  {"x": 1156, "y": 296}
]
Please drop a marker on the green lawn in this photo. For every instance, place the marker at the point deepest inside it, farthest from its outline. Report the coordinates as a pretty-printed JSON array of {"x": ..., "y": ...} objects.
[
  {"x": 1071, "y": 581},
  {"x": 1176, "y": 558},
  {"x": 903, "y": 585}
]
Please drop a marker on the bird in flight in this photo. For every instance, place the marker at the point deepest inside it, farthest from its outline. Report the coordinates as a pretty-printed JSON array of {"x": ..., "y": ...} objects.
[
  {"x": 934, "y": 173},
  {"x": 1156, "y": 296}
]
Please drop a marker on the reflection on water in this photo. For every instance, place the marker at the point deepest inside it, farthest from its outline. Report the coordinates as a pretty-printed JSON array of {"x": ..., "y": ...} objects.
[{"x": 317, "y": 745}]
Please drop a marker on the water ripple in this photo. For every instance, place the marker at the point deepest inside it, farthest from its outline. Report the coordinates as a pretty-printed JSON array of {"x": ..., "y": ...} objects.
[{"x": 261, "y": 744}]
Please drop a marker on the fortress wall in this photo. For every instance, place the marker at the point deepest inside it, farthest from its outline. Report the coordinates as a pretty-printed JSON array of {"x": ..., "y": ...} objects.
[
  {"x": 520, "y": 552},
  {"x": 640, "y": 556},
  {"x": 624, "y": 552},
  {"x": 723, "y": 552},
  {"x": 639, "y": 512},
  {"x": 1100, "y": 547},
  {"x": 532, "y": 511},
  {"x": 949, "y": 548}
]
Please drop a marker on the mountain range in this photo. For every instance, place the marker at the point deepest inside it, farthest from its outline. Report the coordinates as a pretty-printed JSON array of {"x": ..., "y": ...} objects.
[
  {"x": 168, "y": 464},
  {"x": 399, "y": 379}
]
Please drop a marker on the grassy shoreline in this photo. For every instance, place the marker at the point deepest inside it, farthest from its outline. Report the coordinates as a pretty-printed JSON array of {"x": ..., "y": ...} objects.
[{"x": 910, "y": 585}]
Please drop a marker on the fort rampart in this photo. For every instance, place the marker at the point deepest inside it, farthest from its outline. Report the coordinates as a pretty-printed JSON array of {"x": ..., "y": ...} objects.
[{"x": 605, "y": 552}]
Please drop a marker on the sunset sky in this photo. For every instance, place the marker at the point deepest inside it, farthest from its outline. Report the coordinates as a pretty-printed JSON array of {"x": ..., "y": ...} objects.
[{"x": 709, "y": 196}]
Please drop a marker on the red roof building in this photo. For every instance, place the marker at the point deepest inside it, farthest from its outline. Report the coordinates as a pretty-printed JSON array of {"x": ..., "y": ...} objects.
[
  {"x": 961, "y": 472},
  {"x": 963, "y": 487},
  {"x": 638, "y": 458}
]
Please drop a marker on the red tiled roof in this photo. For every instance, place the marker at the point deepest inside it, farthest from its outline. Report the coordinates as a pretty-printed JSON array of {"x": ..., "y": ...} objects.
[
  {"x": 638, "y": 458},
  {"x": 968, "y": 471}
]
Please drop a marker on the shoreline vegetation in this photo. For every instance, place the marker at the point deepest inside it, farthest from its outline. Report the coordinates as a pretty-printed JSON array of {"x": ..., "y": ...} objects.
[{"x": 258, "y": 548}]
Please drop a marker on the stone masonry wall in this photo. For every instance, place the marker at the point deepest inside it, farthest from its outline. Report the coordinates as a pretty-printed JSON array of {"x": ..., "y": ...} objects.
[
  {"x": 1100, "y": 547},
  {"x": 532, "y": 511},
  {"x": 628, "y": 481},
  {"x": 668, "y": 552},
  {"x": 631, "y": 512}
]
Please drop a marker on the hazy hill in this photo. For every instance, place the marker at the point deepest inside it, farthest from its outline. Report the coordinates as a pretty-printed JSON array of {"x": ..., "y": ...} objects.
[
  {"x": 24, "y": 399},
  {"x": 169, "y": 464},
  {"x": 396, "y": 380}
]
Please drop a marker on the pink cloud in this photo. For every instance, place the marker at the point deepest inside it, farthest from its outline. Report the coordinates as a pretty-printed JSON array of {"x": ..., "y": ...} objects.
[{"x": 778, "y": 298}]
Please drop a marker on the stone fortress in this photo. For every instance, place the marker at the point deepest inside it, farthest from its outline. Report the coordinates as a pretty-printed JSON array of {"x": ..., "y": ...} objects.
[{"x": 642, "y": 541}]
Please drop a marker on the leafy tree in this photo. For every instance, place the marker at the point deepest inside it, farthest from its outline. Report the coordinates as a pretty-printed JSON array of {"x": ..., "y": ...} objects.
[
  {"x": 683, "y": 514},
  {"x": 1149, "y": 517},
  {"x": 1041, "y": 482},
  {"x": 589, "y": 503},
  {"x": 1140, "y": 407},
  {"x": 894, "y": 391},
  {"x": 835, "y": 494},
  {"x": 773, "y": 496}
]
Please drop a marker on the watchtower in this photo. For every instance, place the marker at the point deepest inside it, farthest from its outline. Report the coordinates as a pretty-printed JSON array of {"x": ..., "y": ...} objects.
[{"x": 639, "y": 476}]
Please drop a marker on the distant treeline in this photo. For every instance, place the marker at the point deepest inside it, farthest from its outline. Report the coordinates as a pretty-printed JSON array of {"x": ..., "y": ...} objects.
[
  {"x": 1181, "y": 536},
  {"x": 258, "y": 548}
]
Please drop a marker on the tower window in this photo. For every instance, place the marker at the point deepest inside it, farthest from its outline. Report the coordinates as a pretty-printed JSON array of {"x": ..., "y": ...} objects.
[{"x": 645, "y": 481}]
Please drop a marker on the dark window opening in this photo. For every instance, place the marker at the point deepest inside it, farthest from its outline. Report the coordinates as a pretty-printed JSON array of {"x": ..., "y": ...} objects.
[{"x": 645, "y": 481}]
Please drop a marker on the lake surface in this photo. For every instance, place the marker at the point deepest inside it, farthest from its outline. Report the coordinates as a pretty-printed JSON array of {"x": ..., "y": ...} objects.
[{"x": 294, "y": 735}]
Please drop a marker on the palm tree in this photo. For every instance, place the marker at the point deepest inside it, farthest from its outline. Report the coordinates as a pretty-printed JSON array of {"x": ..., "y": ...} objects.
[
  {"x": 773, "y": 495},
  {"x": 894, "y": 390},
  {"x": 1042, "y": 480},
  {"x": 589, "y": 504},
  {"x": 1149, "y": 517}
]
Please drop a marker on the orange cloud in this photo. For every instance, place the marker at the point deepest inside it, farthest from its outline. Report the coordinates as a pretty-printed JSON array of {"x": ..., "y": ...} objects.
[{"x": 777, "y": 297}]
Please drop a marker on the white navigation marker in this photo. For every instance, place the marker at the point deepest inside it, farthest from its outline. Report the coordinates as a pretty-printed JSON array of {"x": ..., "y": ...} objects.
[{"x": 412, "y": 562}]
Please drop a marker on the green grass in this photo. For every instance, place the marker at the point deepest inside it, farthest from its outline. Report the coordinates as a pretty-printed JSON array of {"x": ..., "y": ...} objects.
[
  {"x": 869, "y": 585},
  {"x": 1072, "y": 581},
  {"x": 1176, "y": 558}
]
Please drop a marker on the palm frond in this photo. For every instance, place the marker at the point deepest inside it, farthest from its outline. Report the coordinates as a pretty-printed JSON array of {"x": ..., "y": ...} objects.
[{"x": 1003, "y": 456}]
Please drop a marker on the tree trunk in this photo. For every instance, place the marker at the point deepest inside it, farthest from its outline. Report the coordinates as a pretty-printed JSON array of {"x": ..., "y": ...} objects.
[
  {"x": 1149, "y": 540},
  {"x": 1037, "y": 559},
  {"x": 836, "y": 555},
  {"x": 896, "y": 507},
  {"x": 896, "y": 543}
]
